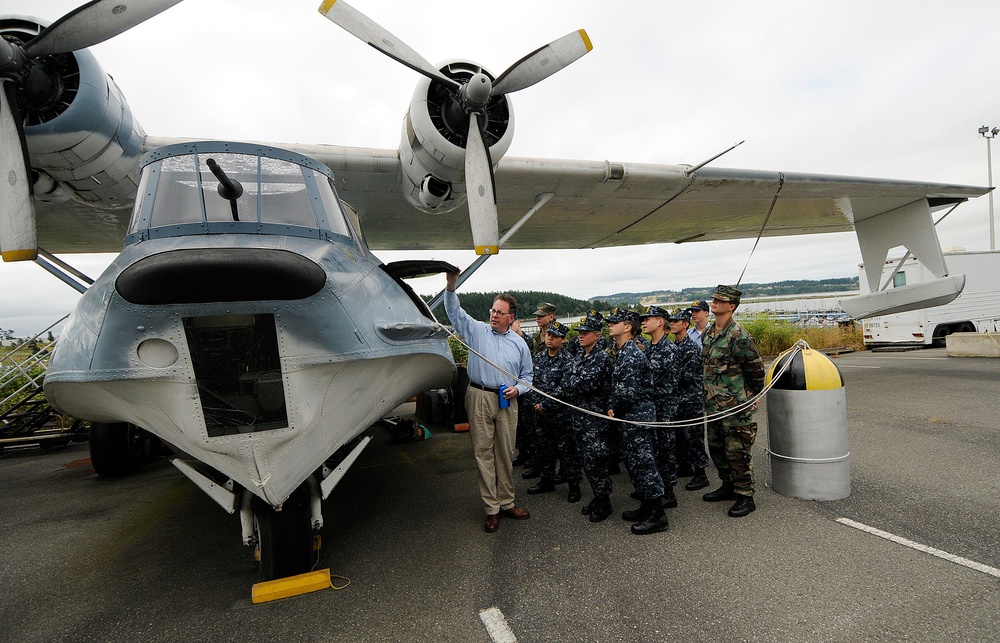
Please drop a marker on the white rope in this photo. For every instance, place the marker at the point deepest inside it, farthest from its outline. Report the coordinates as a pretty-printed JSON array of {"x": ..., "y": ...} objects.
[{"x": 676, "y": 424}]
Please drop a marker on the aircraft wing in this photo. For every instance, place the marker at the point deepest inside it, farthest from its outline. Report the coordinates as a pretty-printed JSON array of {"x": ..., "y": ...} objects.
[
  {"x": 596, "y": 204},
  {"x": 599, "y": 204}
]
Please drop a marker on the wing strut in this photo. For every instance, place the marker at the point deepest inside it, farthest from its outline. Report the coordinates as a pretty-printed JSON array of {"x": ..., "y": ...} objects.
[
  {"x": 66, "y": 273},
  {"x": 540, "y": 200}
]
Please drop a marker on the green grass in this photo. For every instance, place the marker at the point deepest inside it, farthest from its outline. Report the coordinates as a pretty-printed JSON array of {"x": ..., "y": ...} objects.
[{"x": 776, "y": 335}]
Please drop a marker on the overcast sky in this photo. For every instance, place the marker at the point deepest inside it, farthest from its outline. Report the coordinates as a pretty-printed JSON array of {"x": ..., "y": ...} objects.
[{"x": 891, "y": 89}]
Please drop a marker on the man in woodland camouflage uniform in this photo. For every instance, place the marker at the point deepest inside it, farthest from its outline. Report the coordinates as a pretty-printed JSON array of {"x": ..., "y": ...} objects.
[
  {"x": 632, "y": 399},
  {"x": 734, "y": 373},
  {"x": 690, "y": 400}
]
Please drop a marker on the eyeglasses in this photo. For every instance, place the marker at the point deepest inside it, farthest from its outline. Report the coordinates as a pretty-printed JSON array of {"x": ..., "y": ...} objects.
[{"x": 498, "y": 313}]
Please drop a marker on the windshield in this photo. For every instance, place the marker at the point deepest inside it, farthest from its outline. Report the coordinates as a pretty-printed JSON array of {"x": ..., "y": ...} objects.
[{"x": 268, "y": 192}]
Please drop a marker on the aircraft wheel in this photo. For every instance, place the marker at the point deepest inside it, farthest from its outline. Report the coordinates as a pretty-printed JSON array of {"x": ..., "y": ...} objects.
[
  {"x": 117, "y": 448},
  {"x": 284, "y": 538}
]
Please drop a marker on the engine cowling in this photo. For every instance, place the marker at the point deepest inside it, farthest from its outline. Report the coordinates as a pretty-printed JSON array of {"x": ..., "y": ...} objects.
[
  {"x": 81, "y": 136},
  {"x": 435, "y": 130}
]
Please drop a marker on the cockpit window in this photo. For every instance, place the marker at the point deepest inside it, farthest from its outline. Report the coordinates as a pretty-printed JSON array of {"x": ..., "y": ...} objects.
[{"x": 207, "y": 188}]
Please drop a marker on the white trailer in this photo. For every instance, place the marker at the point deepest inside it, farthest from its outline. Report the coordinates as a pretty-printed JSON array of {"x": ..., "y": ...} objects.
[{"x": 977, "y": 309}]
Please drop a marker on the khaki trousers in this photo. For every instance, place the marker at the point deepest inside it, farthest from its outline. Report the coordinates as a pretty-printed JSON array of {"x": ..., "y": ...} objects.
[{"x": 492, "y": 430}]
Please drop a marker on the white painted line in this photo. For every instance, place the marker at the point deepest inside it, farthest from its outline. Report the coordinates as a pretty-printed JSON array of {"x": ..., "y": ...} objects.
[
  {"x": 965, "y": 562},
  {"x": 496, "y": 626}
]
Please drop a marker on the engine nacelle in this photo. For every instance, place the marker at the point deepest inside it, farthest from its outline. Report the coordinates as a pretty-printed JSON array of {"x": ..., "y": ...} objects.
[
  {"x": 82, "y": 139},
  {"x": 435, "y": 129}
]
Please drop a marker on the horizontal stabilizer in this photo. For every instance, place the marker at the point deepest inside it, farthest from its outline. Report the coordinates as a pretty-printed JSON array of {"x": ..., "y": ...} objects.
[{"x": 927, "y": 294}]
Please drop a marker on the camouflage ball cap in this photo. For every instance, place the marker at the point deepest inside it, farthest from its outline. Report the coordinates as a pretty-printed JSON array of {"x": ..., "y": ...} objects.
[
  {"x": 654, "y": 311},
  {"x": 557, "y": 329},
  {"x": 680, "y": 314},
  {"x": 618, "y": 314},
  {"x": 593, "y": 321},
  {"x": 545, "y": 308},
  {"x": 727, "y": 293}
]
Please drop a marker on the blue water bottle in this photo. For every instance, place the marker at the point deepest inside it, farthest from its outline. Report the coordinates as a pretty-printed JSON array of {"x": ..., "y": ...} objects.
[{"x": 504, "y": 402}]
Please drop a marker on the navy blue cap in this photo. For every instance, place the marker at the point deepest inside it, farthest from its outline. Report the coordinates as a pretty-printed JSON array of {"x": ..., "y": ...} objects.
[
  {"x": 557, "y": 329},
  {"x": 699, "y": 304},
  {"x": 622, "y": 315},
  {"x": 680, "y": 314},
  {"x": 654, "y": 311},
  {"x": 593, "y": 321}
]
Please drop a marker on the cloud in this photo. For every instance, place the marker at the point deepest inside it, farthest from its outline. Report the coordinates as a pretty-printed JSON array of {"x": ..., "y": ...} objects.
[{"x": 890, "y": 89}]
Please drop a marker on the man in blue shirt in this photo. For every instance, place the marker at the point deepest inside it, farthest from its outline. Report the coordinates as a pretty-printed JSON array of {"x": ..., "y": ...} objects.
[
  {"x": 699, "y": 321},
  {"x": 491, "y": 427}
]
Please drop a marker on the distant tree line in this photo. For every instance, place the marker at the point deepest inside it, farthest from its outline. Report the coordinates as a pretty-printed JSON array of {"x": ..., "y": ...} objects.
[
  {"x": 478, "y": 304},
  {"x": 774, "y": 289}
]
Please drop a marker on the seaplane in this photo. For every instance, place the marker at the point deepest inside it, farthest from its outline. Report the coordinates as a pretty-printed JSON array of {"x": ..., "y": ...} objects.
[{"x": 246, "y": 322}]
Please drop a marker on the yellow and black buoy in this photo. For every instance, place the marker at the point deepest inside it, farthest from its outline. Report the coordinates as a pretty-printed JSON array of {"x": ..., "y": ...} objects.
[{"x": 807, "y": 426}]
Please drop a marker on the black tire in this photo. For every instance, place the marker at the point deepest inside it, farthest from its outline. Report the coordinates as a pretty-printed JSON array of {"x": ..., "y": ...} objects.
[
  {"x": 941, "y": 336},
  {"x": 117, "y": 448},
  {"x": 284, "y": 538}
]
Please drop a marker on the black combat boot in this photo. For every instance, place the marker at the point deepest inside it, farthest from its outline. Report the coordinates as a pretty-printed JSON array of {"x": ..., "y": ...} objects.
[
  {"x": 725, "y": 492},
  {"x": 657, "y": 520},
  {"x": 638, "y": 515},
  {"x": 669, "y": 499},
  {"x": 698, "y": 481},
  {"x": 542, "y": 486},
  {"x": 601, "y": 509},
  {"x": 743, "y": 506},
  {"x": 574, "y": 492}
]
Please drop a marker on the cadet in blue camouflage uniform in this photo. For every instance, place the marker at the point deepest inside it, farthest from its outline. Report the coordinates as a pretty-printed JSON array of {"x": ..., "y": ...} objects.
[
  {"x": 632, "y": 399},
  {"x": 587, "y": 385},
  {"x": 553, "y": 434},
  {"x": 690, "y": 400},
  {"x": 527, "y": 432},
  {"x": 663, "y": 362},
  {"x": 734, "y": 373}
]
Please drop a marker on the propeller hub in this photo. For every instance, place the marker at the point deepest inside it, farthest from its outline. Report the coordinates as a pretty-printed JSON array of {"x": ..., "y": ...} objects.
[{"x": 477, "y": 89}]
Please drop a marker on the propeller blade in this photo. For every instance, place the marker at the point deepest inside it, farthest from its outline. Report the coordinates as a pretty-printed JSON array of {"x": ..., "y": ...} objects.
[
  {"x": 93, "y": 23},
  {"x": 364, "y": 28},
  {"x": 543, "y": 62},
  {"x": 481, "y": 190},
  {"x": 17, "y": 209}
]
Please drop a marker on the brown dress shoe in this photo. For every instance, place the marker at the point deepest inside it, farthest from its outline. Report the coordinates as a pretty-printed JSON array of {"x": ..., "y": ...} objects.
[
  {"x": 492, "y": 523},
  {"x": 516, "y": 513}
]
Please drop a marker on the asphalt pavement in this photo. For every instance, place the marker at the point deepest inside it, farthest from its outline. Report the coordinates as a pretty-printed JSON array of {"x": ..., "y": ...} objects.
[{"x": 148, "y": 557}]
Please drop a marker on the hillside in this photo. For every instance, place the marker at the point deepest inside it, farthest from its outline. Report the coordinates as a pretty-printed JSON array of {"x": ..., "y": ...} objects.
[{"x": 774, "y": 289}]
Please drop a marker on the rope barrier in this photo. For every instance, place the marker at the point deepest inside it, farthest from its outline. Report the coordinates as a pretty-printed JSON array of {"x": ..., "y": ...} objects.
[{"x": 675, "y": 424}]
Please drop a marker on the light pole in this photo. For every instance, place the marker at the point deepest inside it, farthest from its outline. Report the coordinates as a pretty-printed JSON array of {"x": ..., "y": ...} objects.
[{"x": 988, "y": 134}]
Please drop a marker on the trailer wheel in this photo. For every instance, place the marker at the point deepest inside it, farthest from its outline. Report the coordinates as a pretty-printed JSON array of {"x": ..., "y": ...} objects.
[{"x": 941, "y": 336}]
